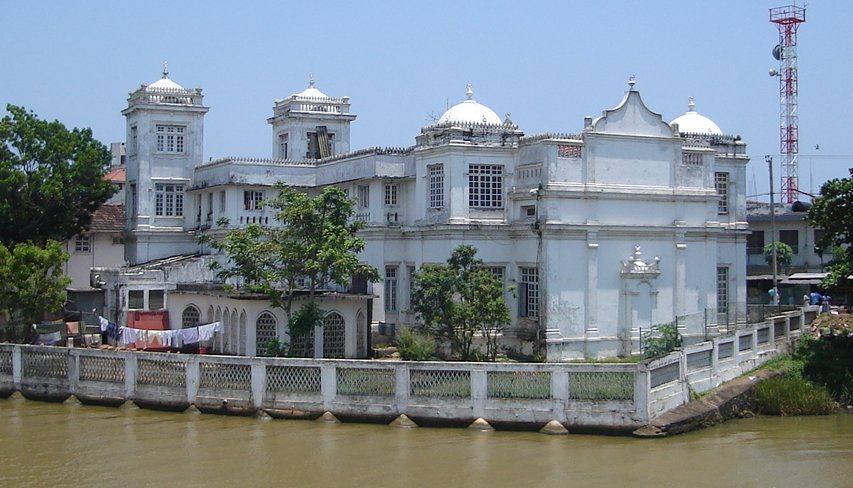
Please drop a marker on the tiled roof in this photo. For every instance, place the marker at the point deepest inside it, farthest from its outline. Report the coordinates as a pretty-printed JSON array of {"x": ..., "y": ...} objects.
[
  {"x": 108, "y": 218},
  {"x": 116, "y": 175}
]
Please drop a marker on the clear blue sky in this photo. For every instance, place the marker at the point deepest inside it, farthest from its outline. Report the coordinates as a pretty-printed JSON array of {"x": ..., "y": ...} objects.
[{"x": 548, "y": 63}]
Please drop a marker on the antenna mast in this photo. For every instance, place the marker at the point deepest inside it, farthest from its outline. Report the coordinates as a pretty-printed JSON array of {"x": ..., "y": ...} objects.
[{"x": 788, "y": 19}]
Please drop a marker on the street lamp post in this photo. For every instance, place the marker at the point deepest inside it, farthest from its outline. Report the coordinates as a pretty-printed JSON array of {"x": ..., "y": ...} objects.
[{"x": 775, "y": 296}]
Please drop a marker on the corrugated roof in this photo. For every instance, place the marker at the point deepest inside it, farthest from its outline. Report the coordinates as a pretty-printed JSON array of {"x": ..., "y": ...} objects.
[{"x": 108, "y": 218}]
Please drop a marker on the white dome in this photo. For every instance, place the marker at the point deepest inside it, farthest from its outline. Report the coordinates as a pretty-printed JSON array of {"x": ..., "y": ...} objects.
[
  {"x": 470, "y": 112},
  {"x": 311, "y": 92},
  {"x": 164, "y": 82},
  {"x": 693, "y": 122}
]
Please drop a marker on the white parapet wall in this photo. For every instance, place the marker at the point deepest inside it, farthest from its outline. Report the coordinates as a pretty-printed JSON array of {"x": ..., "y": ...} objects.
[{"x": 581, "y": 396}]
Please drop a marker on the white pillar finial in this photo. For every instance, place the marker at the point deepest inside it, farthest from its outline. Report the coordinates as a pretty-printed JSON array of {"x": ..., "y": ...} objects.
[
  {"x": 310, "y": 80},
  {"x": 165, "y": 69},
  {"x": 691, "y": 104},
  {"x": 632, "y": 80},
  {"x": 470, "y": 92}
]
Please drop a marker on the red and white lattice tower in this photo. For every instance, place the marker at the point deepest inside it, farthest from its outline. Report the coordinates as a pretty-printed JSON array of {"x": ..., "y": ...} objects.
[{"x": 788, "y": 19}]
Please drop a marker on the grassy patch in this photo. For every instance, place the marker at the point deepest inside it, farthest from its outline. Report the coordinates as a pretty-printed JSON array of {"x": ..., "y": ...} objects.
[{"x": 792, "y": 395}]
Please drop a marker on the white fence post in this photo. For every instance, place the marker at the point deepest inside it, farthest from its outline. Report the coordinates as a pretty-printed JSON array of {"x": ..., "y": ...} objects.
[
  {"x": 259, "y": 382},
  {"x": 328, "y": 384}
]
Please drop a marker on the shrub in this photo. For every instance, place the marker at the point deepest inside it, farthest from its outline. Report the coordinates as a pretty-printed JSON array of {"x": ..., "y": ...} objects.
[
  {"x": 828, "y": 361},
  {"x": 277, "y": 348},
  {"x": 660, "y": 341},
  {"x": 414, "y": 346}
]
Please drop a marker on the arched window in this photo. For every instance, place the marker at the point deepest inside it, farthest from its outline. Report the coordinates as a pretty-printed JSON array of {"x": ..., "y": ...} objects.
[
  {"x": 264, "y": 332},
  {"x": 190, "y": 317},
  {"x": 235, "y": 335},
  {"x": 361, "y": 335},
  {"x": 244, "y": 332},
  {"x": 334, "y": 336}
]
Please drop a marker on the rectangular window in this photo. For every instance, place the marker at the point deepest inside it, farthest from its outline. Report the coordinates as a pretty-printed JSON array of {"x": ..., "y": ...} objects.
[
  {"x": 222, "y": 201},
  {"x": 485, "y": 186},
  {"x": 390, "y": 288},
  {"x": 363, "y": 196},
  {"x": 499, "y": 272},
  {"x": 411, "y": 273},
  {"x": 391, "y": 194},
  {"x": 170, "y": 138},
  {"x": 755, "y": 242},
  {"x": 168, "y": 200},
  {"x": 282, "y": 145},
  {"x": 721, "y": 183},
  {"x": 252, "y": 199},
  {"x": 436, "y": 185},
  {"x": 528, "y": 288},
  {"x": 791, "y": 238},
  {"x": 818, "y": 235},
  {"x": 528, "y": 211},
  {"x": 118, "y": 239},
  {"x": 132, "y": 202},
  {"x": 136, "y": 299},
  {"x": 134, "y": 140},
  {"x": 722, "y": 289},
  {"x": 209, "y": 206},
  {"x": 82, "y": 243},
  {"x": 156, "y": 300}
]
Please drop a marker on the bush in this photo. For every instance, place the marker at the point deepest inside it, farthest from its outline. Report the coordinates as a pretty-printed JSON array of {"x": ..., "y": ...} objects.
[
  {"x": 660, "y": 341},
  {"x": 277, "y": 348},
  {"x": 414, "y": 346},
  {"x": 828, "y": 361}
]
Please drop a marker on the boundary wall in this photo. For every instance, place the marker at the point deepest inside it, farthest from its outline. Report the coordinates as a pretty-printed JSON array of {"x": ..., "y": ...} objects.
[{"x": 619, "y": 397}]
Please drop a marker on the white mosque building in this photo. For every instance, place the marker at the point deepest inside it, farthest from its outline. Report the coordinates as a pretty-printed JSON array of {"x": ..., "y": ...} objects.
[{"x": 627, "y": 223}]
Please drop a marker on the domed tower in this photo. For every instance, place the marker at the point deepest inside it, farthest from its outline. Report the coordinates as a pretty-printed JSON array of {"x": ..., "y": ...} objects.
[
  {"x": 692, "y": 122},
  {"x": 470, "y": 122},
  {"x": 165, "y": 140},
  {"x": 310, "y": 125}
]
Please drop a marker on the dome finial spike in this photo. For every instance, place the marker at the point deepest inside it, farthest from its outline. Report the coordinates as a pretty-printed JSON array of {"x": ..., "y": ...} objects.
[
  {"x": 691, "y": 104},
  {"x": 165, "y": 69},
  {"x": 470, "y": 92},
  {"x": 632, "y": 80},
  {"x": 310, "y": 80}
]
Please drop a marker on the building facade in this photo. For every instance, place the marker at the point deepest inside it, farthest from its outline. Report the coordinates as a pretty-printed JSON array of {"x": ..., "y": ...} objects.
[{"x": 598, "y": 235}]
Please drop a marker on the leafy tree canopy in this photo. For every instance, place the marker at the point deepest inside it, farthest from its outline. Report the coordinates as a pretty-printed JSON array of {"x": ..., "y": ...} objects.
[
  {"x": 50, "y": 178},
  {"x": 784, "y": 254},
  {"x": 31, "y": 284},
  {"x": 460, "y": 299},
  {"x": 832, "y": 211}
]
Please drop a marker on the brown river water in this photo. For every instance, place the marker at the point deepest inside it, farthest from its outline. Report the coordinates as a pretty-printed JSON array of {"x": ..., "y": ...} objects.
[{"x": 44, "y": 444}]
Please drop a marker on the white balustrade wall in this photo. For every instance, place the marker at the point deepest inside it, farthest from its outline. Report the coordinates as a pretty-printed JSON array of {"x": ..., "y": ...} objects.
[{"x": 595, "y": 396}]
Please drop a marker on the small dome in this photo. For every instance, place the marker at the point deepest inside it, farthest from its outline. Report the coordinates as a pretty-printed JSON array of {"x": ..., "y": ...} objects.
[
  {"x": 470, "y": 112},
  {"x": 311, "y": 91},
  {"x": 692, "y": 122},
  {"x": 164, "y": 82}
]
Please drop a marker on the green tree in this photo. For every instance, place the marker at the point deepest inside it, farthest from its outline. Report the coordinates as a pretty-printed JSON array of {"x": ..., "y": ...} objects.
[
  {"x": 460, "y": 299},
  {"x": 315, "y": 244},
  {"x": 31, "y": 284},
  {"x": 50, "y": 178},
  {"x": 832, "y": 211},
  {"x": 784, "y": 254}
]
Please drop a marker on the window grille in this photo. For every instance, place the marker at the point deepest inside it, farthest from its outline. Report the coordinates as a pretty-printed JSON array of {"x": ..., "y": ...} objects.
[
  {"x": 265, "y": 332},
  {"x": 485, "y": 186},
  {"x": 436, "y": 186}
]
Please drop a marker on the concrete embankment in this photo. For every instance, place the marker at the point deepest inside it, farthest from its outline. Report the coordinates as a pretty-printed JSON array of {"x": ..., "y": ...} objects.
[{"x": 731, "y": 400}]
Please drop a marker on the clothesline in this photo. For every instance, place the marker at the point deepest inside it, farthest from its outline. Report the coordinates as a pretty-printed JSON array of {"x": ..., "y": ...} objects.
[{"x": 144, "y": 339}]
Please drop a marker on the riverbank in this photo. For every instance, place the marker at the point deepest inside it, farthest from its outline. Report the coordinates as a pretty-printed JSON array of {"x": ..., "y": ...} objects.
[{"x": 731, "y": 400}]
